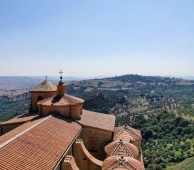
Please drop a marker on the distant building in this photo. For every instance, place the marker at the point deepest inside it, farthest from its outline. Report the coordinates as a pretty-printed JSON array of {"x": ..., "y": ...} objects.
[{"x": 59, "y": 134}]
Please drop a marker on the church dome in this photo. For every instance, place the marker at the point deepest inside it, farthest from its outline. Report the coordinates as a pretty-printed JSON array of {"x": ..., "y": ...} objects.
[
  {"x": 45, "y": 86},
  {"x": 118, "y": 163},
  {"x": 122, "y": 148},
  {"x": 61, "y": 103},
  {"x": 128, "y": 134}
]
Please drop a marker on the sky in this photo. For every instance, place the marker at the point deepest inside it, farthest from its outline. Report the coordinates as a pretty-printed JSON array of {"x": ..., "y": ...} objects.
[{"x": 91, "y": 38}]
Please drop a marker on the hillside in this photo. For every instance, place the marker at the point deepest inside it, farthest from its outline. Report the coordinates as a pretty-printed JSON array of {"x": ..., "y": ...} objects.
[{"x": 162, "y": 107}]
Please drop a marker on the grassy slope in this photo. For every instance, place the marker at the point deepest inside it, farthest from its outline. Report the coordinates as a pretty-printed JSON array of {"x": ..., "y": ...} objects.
[{"x": 187, "y": 164}]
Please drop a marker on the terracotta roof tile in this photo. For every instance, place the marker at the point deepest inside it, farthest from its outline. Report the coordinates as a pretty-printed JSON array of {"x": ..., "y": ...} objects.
[
  {"x": 127, "y": 133},
  {"x": 61, "y": 100},
  {"x": 118, "y": 163},
  {"x": 97, "y": 120},
  {"x": 122, "y": 148},
  {"x": 42, "y": 145},
  {"x": 20, "y": 119},
  {"x": 45, "y": 86},
  {"x": 11, "y": 134}
]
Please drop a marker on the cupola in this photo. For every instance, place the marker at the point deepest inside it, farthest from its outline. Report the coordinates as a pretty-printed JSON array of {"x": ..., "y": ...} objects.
[
  {"x": 43, "y": 90},
  {"x": 62, "y": 103},
  {"x": 121, "y": 162}
]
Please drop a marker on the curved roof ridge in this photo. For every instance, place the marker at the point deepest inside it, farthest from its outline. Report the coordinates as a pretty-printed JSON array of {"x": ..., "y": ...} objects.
[
  {"x": 88, "y": 154},
  {"x": 136, "y": 133},
  {"x": 114, "y": 150},
  {"x": 126, "y": 148},
  {"x": 119, "y": 133},
  {"x": 121, "y": 148},
  {"x": 117, "y": 163}
]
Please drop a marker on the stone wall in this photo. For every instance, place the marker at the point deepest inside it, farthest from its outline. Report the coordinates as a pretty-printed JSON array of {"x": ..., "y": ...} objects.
[
  {"x": 69, "y": 163},
  {"x": 95, "y": 141},
  {"x": 83, "y": 159}
]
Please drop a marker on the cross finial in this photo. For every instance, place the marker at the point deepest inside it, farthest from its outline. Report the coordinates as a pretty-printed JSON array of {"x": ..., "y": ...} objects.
[
  {"x": 46, "y": 77},
  {"x": 60, "y": 72}
]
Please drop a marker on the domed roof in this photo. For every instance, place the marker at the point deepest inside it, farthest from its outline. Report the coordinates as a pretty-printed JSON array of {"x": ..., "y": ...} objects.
[
  {"x": 128, "y": 134},
  {"x": 124, "y": 135},
  {"x": 45, "y": 86},
  {"x": 118, "y": 163},
  {"x": 64, "y": 100},
  {"x": 122, "y": 148}
]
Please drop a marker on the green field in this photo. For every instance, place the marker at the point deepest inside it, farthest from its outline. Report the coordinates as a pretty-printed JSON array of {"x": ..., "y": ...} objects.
[{"x": 187, "y": 164}]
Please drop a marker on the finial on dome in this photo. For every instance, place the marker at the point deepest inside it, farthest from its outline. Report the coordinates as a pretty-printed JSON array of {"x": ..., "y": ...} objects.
[
  {"x": 122, "y": 159},
  {"x": 121, "y": 141}
]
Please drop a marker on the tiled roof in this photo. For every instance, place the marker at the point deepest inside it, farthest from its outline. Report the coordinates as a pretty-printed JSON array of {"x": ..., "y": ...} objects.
[
  {"x": 127, "y": 133},
  {"x": 118, "y": 163},
  {"x": 20, "y": 119},
  {"x": 97, "y": 120},
  {"x": 45, "y": 86},
  {"x": 122, "y": 148},
  {"x": 39, "y": 146},
  {"x": 124, "y": 135},
  {"x": 11, "y": 134},
  {"x": 135, "y": 132},
  {"x": 61, "y": 100}
]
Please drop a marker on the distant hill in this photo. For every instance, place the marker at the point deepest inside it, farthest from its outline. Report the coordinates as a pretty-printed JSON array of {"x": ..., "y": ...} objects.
[
  {"x": 117, "y": 83},
  {"x": 18, "y": 82},
  {"x": 27, "y": 82},
  {"x": 149, "y": 103},
  {"x": 125, "y": 83}
]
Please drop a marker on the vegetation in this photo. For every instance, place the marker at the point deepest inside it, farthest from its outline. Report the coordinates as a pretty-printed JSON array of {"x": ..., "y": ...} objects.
[
  {"x": 161, "y": 107},
  {"x": 11, "y": 107},
  {"x": 166, "y": 138},
  {"x": 187, "y": 164}
]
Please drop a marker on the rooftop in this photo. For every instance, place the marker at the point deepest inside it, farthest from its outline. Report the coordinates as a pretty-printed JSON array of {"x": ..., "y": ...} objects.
[
  {"x": 124, "y": 163},
  {"x": 127, "y": 133},
  {"x": 122, "y": 148},
  {"x": 61, "y": 100},
  {"x": 45, "y": 86},
  {"x": 97, "y": 120},
  {"x": 20, "y": 119},
  {"x": 42, "y": 143}
]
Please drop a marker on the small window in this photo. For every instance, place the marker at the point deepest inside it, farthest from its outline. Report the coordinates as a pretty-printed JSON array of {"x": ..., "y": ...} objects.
[
  {"x": 40, "y": 98},
  {"x": 93, "y": 144}
]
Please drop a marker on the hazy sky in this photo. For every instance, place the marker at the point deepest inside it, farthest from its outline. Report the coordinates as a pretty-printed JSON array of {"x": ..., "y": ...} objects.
[{"x": 97, "y": 37}]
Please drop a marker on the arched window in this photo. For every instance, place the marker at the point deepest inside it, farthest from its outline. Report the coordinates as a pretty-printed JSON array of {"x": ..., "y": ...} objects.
[{"x": 40, "y": 98}]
